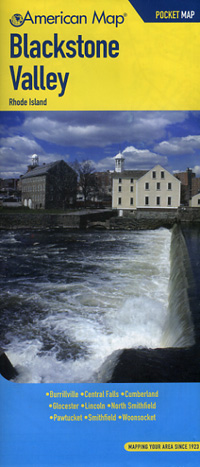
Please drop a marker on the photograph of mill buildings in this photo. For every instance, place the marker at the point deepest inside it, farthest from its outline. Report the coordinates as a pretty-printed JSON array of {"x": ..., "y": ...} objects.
[
  {"x": 125, "y": 161},
  {"x": 134, "y": 176},
  {"x": 57, "y": 185}
]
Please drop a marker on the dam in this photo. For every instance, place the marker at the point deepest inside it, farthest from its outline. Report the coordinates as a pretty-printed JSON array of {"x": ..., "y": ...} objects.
[{"x": 115, "y": 306}]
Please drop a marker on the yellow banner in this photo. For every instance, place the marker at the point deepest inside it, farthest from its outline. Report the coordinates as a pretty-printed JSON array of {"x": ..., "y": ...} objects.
[
  {"x": 167, "y": 446},
  {"x": 95, "y": 56}
]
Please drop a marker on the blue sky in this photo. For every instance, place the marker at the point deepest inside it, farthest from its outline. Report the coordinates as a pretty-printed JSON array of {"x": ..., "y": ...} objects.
[{"x": 171, "y": 139}]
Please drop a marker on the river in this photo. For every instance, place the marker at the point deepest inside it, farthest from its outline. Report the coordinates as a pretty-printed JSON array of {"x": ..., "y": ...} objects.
[{"x": 70, "y": 299}]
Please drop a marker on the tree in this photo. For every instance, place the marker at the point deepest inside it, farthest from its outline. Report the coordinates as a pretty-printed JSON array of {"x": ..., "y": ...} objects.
[
  {"x": 86, "y": 178},
  {"x": 62, "y": 185}
]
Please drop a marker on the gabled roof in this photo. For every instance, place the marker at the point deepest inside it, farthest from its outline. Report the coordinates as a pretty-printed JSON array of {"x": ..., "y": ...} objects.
[
  {"x": 130, "y": 173},
  {"x": 159, "y": 167},
  {"x": 40, "y": 170},
  {"x": 196, "y": 196}
]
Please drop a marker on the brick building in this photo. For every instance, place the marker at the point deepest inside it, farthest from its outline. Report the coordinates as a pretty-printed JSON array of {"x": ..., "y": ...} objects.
[
  {"x": 190, "y": 185},
  {"x": 49, "y": 186}
]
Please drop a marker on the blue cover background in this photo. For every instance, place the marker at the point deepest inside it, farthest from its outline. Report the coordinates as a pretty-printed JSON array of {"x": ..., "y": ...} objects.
[{"x": 30, "y": 438}]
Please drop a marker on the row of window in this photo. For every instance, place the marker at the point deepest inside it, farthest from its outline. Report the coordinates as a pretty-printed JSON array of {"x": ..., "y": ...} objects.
[
  {"x": 36, "y": 197},
  {"x": 120, "y": 201},
  {"x": 131, "y": 189},
  {"x": 29, "y": 203},
  {"x": 146, "y": 201},
  {"x": 131, "y": 180},
  {"x": 169, "y": 200},
  {"x": 154, "y": 176},
  {"x": 158, "y": 187},
  {"x": 162, "y": 174},
  {"x": 31, "y": 188}
]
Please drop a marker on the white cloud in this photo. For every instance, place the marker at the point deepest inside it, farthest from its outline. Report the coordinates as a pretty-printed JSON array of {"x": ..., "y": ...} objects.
[
  {"x": 196, "y": 170},
  {"x": 20, "y": 144},
  {"x": 142, "y": 157},
  {"x": 179, "y": 146},
  {"x": 146, "y": 136},
  {"x": 134, "y": 159},
  {"x": 16, "y": 154},
  {"x": 87, "y": 129}
]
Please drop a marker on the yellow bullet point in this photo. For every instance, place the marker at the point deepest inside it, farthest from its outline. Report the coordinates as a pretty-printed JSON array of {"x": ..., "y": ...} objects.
[
  {"x": 47, "y": 393},
  {"x": 51, "y": 418},
  {"x": 50, "y": 405}
]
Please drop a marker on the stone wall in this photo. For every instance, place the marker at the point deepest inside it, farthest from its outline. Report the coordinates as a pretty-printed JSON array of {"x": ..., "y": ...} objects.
[
  {"x": 137, "y": 220},
  {"x": 42, "y": 220},
  {"x": 140, "y": 220},
  {"x": 27, "y": 220},
  {"x": 150, "y": 219},
  {"x": 188, "y": 214}
]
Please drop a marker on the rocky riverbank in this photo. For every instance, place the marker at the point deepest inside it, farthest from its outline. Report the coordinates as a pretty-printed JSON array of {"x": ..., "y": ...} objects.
[
  {"x": 149, "y": 219},
  {"x": 42, "y": 220},
  {"x": 98, "y": 219}
]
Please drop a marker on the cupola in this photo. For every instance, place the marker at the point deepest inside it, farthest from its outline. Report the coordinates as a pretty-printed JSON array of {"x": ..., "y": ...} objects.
[{"x": 119, "y": 162}]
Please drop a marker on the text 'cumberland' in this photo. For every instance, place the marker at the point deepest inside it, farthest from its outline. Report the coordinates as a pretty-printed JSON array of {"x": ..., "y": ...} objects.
[{"x": 38, "y": 79}]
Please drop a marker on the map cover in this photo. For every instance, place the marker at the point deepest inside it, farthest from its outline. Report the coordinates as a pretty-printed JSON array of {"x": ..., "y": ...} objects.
[{"x": 99, "y": 240}]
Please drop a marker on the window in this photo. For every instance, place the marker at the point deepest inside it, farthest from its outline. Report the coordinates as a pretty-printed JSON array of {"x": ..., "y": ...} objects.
[
  {"x": 146, "y": 186},
  {"x": 120, "y": 180},
  {"x": 169, "y": 202},
  {"x": 131, "y": 201},
  {"x": 169, "y": 186},
  {"x": 158, "y": 200},
  {"x": 153, "y": 174},
  {"x": 199, "y": 201},
  {"x": 131, "y": 189},
  {"x": 119, "y": 188},
  {"x": 119, "y": 201},
  {"x": 158, "y": 186},
  {"x": 131, "y": 180},
  {"x": 162, "y": 174},
  {"x": 146, "y": 200}
]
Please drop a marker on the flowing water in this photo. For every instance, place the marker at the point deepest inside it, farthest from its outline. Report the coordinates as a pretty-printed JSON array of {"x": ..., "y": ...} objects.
[{"x": 70, "y": 299}]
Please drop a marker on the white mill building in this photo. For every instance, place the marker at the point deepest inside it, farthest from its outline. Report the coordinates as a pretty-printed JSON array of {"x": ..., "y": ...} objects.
[{"x": 143, "y": 189}]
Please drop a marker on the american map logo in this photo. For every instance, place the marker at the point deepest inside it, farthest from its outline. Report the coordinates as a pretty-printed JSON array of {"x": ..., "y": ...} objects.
[{"x": 17, "y": 20}]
